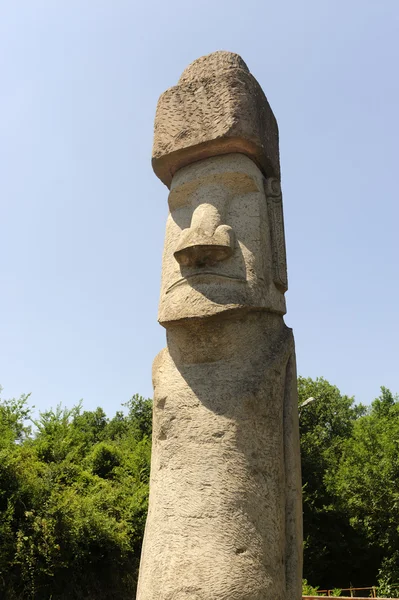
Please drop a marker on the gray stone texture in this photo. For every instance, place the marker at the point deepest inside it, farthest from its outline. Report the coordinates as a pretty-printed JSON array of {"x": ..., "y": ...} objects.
[
  {"x": 225, "y": 515},
  {"x": 216, "y": 108}
]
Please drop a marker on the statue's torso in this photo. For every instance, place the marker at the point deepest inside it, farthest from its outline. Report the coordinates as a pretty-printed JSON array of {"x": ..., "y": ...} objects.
[{"x": 217, "y": 502}]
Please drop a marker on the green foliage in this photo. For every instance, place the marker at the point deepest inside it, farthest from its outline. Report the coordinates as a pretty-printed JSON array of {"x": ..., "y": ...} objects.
[
  {"x": 386, "y": 589},
  {"x": 367, "y": 483},
  {"x": 333, "y": 551},
  {"x": 350, "y": 469},
  {"x": 13, "y": 414},
  {"x": 140, "y": 414},
  {"x": 74, "y": 496},
  {"x": 309, "y": 590},
  {"x": 73, "y": 501}
]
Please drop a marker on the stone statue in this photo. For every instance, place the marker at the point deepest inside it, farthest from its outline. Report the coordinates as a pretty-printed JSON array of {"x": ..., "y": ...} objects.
[{"x": 225, "y": 516}]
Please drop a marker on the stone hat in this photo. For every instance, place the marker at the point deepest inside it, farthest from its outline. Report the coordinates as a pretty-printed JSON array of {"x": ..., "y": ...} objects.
[{"x": 216, "y": 108}]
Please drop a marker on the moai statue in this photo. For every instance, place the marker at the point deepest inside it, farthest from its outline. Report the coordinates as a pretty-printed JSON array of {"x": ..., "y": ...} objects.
[{"x": 225, "y": 516}]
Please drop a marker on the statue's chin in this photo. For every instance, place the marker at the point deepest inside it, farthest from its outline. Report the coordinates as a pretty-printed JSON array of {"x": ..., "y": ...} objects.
[
  {"x": 202, "y": 299},
  {"x": 169, "y": 316}
]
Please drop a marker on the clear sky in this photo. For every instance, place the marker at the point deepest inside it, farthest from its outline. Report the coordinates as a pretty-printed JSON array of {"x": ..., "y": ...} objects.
[{"x": 82, "y": 215}]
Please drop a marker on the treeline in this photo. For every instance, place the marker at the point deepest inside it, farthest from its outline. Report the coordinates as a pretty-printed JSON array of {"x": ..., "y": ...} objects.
[{"x": 74, "y": 492}]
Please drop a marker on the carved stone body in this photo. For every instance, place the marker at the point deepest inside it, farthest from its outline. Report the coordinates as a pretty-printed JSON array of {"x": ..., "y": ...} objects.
[{"x": 225, "y": 518}]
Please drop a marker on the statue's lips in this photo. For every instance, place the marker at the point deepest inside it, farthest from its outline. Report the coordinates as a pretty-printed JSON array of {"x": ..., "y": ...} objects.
[{"x": 207, "y": 274}]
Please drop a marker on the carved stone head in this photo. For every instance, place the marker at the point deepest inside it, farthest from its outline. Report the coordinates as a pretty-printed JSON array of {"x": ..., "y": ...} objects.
[
  {"x": 224, "y": 243},
  {"x": 216, "y": 147}
]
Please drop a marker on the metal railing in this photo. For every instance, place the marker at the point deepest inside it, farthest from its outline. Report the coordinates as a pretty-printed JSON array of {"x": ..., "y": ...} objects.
[{"x": 353, "y": 592}]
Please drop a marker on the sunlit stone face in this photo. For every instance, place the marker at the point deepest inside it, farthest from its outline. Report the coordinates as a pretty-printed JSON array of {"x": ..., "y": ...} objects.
[{"x": 217, "y": 254}]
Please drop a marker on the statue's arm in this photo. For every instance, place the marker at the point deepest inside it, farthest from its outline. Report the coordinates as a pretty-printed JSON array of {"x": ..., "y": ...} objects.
[{"x": 293, "y": 483}]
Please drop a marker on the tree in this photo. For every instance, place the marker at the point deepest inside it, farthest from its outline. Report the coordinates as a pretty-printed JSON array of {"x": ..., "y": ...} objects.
[
  {"x": 74, "y": 495},
  {"x": 73, "y": 502},
  {"x": 333, "y": 550},
  {"x": 367, "y": 484}
]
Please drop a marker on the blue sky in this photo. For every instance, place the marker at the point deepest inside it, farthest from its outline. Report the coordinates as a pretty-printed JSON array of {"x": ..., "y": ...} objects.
[{"x": 82, "y": 215}]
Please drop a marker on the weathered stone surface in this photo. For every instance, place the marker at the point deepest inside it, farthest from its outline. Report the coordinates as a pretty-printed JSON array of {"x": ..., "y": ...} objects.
[
  {"x": 223, "y": 192},
  {"x": 224, "y": 519},
  {"x": 217, "y": 107},
  {"x": 225, "y": 516}
]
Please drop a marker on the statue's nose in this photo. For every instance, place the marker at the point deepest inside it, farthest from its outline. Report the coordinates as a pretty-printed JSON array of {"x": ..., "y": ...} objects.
[{"x": 206, "y": 241}]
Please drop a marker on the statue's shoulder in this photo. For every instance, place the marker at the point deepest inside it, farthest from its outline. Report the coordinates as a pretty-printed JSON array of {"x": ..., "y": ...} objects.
[
  {"x": 284, "y": 343},
  {"x": 157, "y": 364},
  {"x": 289, "y": 336}
]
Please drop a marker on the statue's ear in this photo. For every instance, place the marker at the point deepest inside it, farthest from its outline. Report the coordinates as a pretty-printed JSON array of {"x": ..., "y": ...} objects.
[{"x": 276, "y": 220}]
